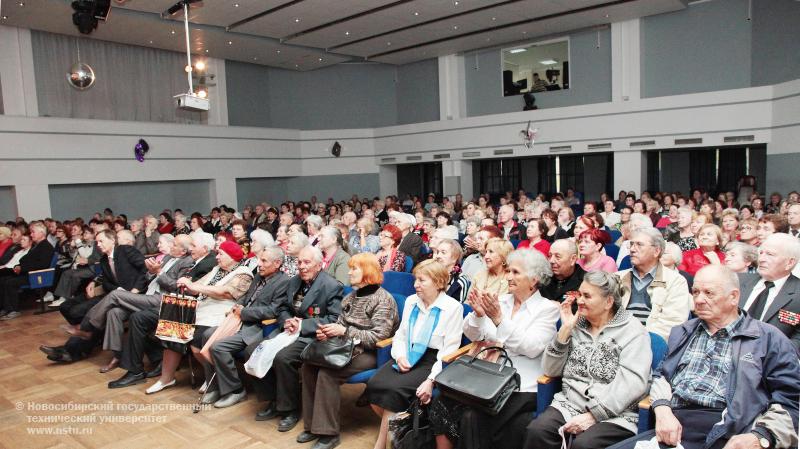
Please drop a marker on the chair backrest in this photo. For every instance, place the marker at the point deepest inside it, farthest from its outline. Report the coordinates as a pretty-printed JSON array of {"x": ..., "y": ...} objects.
[
  {"x": 659, "y": 348},
  {"x": 401, "y": 303},
  {"x": 54, "y": 260},
  {"x": 612, "y": 250},
  {"x": 409, "y": 264},
  {"x": 346, "y": 290},
  {"x": 615, "y": 235},
  {"x": 514, "y": 243},
  {"x": 396, "y": 282},
  {"x": 626, "y": 263}
]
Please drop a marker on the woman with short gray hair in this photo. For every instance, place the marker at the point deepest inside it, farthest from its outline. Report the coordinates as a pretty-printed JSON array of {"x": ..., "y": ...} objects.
[
  {"x": 603, "y": 355},
  {"x": 741, "y": 257},
  {"x": 521, "y": 321}
]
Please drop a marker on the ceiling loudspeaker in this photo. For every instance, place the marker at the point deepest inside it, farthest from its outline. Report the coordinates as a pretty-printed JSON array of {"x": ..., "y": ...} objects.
[{"x": 336, "y": 149}]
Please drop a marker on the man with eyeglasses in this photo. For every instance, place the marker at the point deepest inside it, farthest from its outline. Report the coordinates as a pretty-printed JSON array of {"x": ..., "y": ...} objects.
[{"x": 656, "y": 295}]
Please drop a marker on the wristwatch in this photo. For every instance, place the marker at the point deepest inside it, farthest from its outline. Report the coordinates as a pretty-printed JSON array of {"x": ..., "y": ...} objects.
[{"x": 764, "y": 441}]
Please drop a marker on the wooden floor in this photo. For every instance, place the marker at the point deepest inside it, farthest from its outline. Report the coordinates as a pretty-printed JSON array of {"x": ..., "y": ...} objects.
[{"x": 31, "y": 387}]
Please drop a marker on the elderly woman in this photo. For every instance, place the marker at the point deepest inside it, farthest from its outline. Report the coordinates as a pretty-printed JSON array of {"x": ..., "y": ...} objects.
[
  {"x": 492, "y": 279},
  {"x": 296, "y": 243},
  {"x": 583, "y": 223},
  {"x": 429, "y": 330},
  {"x": 363, "y": 241},
  {"x": 681, "y": 232},
  {"x": 282, "y": 236},
  {"x": 216, "y": 292},
  {"x": 748, "y": 228},
  {"x": 603, "y": 355},
  {"x": 709, "y": 239},
  {"x": 149, "y": 236},
  {"x": 259, "y": 239},
  {"x": 741, "y": 257},
  {"x": 369, "y": 315},
  {"x": 448, "y": 253},
  {"x": 225, "y": 222},
  {"x": 730, "y": 226},
  {"x": 391, "y": 258},
  {"x": 536, "y": 231},
  {"x": 165, "y": 242},
  {"x": 554, "y": 231},
  {"x": 334, "y": 256},
  {"x": 523, "y": 322},
  {"x": 566, "y": 220},
  {"x": 671, "y": 217},
  {"x": 180, "y": 225},
  {"x": 590, "y": 251},
  {"x": 165, "y": 223},
  {"x": 239, "y": 232},
  {"x": 5, "y": 239}
]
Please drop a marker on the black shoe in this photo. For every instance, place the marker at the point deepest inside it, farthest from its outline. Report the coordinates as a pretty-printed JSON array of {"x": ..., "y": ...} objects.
[
  {"x": 127, "y": 380},
  {"x": 288, "y": 422},
  {"x": 62, "y": 357},
  {"x": 305, "y": 437},
  {"x": 155, "y": 372},
  {"x": 327, "y": 442},
  {"x": 268, "y": 413},
  {"x": 55, "y": 351}
]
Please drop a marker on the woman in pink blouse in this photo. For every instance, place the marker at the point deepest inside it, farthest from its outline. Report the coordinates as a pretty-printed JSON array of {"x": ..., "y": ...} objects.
[{"x": 590, "y": 249}]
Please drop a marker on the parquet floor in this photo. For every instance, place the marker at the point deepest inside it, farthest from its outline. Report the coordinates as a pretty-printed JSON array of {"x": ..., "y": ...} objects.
[{"x": 47, "y": 405}]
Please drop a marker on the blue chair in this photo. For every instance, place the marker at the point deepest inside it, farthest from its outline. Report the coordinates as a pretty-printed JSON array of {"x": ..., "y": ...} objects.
[
  {"x": 615, "y": 235},
  {"x": 514, "y": 242},
  {"x": 409, "y": 264},
  {"x": 626, "y": 263},
  {"x": 612, "y": 250},
  {"x": 396, "y": 282},
  {"x": 346, "y": 291},
  {"x": 384, "y": 350},
  {"x": 39, "y": 280},
  {"x": 549, "y": 386}
]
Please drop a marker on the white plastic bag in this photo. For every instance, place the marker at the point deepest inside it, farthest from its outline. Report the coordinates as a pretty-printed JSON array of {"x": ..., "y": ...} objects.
[{"x": 260, "y": 361}]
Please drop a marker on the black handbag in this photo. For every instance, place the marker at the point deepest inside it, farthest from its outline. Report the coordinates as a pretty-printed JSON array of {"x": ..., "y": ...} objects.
[
  {"x": 411, "y": 429},
  {"x": 478, "y": 383},
  {"x": 333, "y": 353}
]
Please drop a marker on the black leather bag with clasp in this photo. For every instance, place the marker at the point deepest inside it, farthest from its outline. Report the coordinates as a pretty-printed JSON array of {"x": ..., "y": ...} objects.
[
  {"x": 479, "y": 383},
  {"x": 333, "y": 353}
]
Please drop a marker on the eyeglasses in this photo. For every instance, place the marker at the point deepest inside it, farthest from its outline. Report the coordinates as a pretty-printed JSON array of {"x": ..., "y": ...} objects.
[
  {"x": 639, "y": 244},
  {"x": 388, "y": 236}
]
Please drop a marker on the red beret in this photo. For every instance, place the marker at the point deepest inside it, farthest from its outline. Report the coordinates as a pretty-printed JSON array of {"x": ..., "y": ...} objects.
[{"x": 232, "y": 249}]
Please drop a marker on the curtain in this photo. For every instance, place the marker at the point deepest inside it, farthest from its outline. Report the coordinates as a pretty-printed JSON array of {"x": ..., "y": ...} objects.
[
  {"x": 653, "y": 172},
  {"x": 702, "y": 169},
  {"x": 547, "y": 174},
  {"x": 133, "y": 83},
  {"x": 732, "y": 166},
  {"x": 571, "y": 168}
]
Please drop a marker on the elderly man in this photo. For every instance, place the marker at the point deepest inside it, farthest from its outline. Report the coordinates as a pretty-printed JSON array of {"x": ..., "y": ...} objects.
[
  {"x": 505, "y": 221},
  {"x": 262, "y": 301},
  {"x": 793, "y": 218},
  {"x": 114, "y": 309},
  {"x": 637, "y": 221},
  {"x": 773, "y": 295},
  {"x": 411, "y": 243},
  {"x": 314, "y": 298},
  {"x": 567, "y": 274},
  {"x": 658, "y": 297},
  {"x": 37, "y": 258},
  {"x": 728, "y": 380}
]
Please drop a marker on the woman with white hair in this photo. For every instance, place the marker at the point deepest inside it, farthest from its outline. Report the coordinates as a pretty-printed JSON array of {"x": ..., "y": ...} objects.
[
  {"x": 259, "y": 239},
  {"x": 523, "y": 322},
  {"x": 362, "y": 241},
  {"x": 296, "y": 243},
  {"x": 334, "y": 255},
  {"x": 741, "y": 257}
]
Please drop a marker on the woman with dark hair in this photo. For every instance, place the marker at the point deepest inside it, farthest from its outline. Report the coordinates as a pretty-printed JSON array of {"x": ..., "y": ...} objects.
[
  {"x": 165, "y": 223},
  {"x": 536, "y": 232},
  {"x": 554, "y": 231},
  {"x": 391, "y": 258},
  {"x": 239, "y": 232},
  {"x": 448, "y": 253},
  {"x": 443, "y": 219}
]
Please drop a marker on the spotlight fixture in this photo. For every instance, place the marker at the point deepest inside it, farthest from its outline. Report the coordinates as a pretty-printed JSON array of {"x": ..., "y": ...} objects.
[{"x": 87, "y": 13}]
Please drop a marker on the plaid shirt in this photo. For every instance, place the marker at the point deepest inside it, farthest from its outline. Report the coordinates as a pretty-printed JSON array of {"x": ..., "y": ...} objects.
[{"x": 703, "y": 370}]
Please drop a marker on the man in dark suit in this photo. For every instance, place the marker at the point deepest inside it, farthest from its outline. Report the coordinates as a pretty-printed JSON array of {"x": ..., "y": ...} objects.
[
  {"x": 773, "y": 295},
  {"x": 38, "y": 258},
  {"x": 267, "y": 295},
  {"x": 411, "y": 244},
  {"x": 142, "y": 324},
  {"x": 313, "y": 298}
]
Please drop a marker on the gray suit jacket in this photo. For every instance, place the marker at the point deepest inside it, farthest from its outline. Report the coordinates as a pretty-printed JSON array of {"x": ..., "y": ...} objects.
[
  {"x": 322, "y": 304},
  {"x": 168, "y": 282},
  {"x": 787, "y": 300},
  {"x": 262, "y": 307}
]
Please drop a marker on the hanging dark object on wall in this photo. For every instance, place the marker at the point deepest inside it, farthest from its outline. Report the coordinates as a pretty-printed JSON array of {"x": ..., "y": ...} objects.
[{"x": 140, "y": 149}]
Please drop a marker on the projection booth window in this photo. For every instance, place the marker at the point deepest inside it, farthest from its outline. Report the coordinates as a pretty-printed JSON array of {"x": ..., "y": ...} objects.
[{"x": 536, "y": 67}]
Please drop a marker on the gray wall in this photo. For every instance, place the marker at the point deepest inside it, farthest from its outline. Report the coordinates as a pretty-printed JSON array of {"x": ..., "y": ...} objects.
[
  {"x": 341, "y": 96},
  {"x": 278, "y": 190},
  {"x": 702, "y": 48},
  {"x": 590, "y": 78},
  {"x": 782, "y": 173},
  {"x": 258, "y": 190},
  {"x": 776, "y": 41},
  {"x": 134, "y": 198},
  {"x": 8, "y": 204},
  {"x": 595, "y": 167}
]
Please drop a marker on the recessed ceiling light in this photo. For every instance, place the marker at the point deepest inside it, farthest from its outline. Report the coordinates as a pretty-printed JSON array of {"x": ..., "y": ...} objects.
[
  {"x": 172, "y": 32},
  {"x": 5, "y": 17},
  {"x": 320, "y": 59},
  {"x": 151, "y": 42},
  {"x": 206, "y": 50},
  {"x": 230, "y": 42},
  {"x": 297, "y": 20},
  {"x": 455, "y": 27},
  {"x": 606, "y": 16},
  {"x": 21, "y": 3},
  {"x": 494, "y": 18},
  {"x": 416, "y": 13},
  {"x": 235, "y": 5},
  {"x": 388, "y": 43},
  {"x": 277, "y": 51},
  {"x": 455, "y": 3},
  {"x": 255, "y": 59},
  {"x": 346, "y": 33},
  {"x": 524, "y": 32}
]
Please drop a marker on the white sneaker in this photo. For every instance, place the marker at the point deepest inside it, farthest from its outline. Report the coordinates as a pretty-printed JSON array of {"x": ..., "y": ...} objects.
[
  {"x": 158, "y": 386},
  {"x": 57, "y": 302},
  {"x": 48, "y": 297}
]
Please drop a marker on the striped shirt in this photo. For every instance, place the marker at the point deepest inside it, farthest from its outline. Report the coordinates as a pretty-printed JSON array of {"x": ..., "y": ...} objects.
[
  {"x": 703, "y": 370},
  {"x": 639, "y": 304}
]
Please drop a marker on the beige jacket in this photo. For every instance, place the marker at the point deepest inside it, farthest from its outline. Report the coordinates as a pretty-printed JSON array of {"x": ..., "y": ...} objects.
[{"x": 669, "y": 298}]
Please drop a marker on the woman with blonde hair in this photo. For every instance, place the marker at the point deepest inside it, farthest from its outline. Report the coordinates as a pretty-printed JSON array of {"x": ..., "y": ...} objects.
[
  {"x": 709, "y": 240},
  {"x": 492, "y": 279}
]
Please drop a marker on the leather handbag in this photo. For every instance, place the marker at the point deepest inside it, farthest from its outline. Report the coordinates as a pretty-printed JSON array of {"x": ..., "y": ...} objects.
[
  {"x": 478, "y": 383},
  {"x": 333, "y": 353},
  {"x": 411, "y": 429}
]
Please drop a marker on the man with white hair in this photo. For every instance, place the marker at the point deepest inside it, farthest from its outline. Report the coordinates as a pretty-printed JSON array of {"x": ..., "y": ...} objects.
[
  {"x": 637, "y": 221},
  {"x": 773, "y": 295},
  {"x": 411, "y": 244},
  {"x": 505, "y": 221}
]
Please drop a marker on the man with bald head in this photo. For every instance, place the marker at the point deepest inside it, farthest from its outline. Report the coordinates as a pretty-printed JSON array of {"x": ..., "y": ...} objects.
[
  {"x": 505, "y": 221},
  {"x": 567, "y": 274},
  {"x": 314, "y": 298},
  {"x": 728, "y": 380},
  {"x": 773, "y": 295}
]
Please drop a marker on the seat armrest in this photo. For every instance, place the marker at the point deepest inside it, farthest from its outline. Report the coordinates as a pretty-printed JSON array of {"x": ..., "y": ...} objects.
[
  {"x": 45, "y": 270},
  {"x": 450, "y": 358},
  {"x": 645, "y": 403},
  {"x": 545, "y": 380},
  {"x": 384, "y": 343},
  {"x": 268, "y": 322}
]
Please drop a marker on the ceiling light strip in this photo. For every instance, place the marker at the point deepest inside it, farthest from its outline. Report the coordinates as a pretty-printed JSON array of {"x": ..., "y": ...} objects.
[
  {"x": 345, "y": 19},
  {"x": 262, "y": 14}
]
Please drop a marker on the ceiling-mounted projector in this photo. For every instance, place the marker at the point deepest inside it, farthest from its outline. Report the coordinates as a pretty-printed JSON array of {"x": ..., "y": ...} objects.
[{"x": 191, "y": 102}]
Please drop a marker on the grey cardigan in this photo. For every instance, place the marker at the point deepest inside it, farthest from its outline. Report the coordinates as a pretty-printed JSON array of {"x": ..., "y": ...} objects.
[{"x": 606, "y": 376}]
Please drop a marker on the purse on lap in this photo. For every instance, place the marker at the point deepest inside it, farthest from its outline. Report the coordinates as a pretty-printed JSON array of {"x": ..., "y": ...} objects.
[
  {"x": 478, "y": 383},
  {"x": 334, "y": 353}
]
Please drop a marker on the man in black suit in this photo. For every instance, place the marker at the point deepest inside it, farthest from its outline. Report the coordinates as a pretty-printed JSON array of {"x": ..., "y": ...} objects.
[
  {"x": 38, "y": 258},
  {"x": 142, "y": 324},
  {"x": 313, "y": 298},
  {"x": 411, "y": 244},
  {"x": 773, "y": 295},
  {"x": 266, "y": 296}
]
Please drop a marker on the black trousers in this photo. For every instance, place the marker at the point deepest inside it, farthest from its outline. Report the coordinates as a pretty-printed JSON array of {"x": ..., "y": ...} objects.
[
  {"x": 696, "y": 424},
  {"x": 80, "y": 348},
  {"x": 75, "y": 309},
  {"x": 542, "y": 433},
  {"x": 141, "y": 326},
  {"x": 9, "y": 289},
  {"x": 282, "y": 382}
]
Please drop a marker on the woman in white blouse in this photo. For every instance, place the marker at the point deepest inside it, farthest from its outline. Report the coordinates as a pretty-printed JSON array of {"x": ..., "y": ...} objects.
[
  {"x": 523, "y": 322},
  {"x": 430, "y": 329}
]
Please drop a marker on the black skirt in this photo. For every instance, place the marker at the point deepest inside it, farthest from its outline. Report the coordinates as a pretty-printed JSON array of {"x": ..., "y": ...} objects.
[{"x": 393, "y": 391}]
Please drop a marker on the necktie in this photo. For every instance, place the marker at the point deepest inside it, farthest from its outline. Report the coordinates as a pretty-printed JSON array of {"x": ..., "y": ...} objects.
[{"x": 757, "y": 308}]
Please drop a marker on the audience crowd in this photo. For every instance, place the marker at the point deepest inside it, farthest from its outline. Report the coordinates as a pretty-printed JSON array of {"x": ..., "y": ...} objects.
[{"x": 571, "y": 289}]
